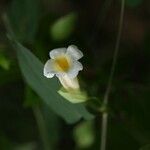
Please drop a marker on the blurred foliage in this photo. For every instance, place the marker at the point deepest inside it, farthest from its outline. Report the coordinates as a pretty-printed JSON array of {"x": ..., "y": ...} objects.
[
  {"x": 147, "y": 147},
  {"x": 84, "y": 134},
  {"x": 4, "y": 62},
  {"x": 133, "y": 3},
  {"x": 32, "y": 116},
  {"x": 24, "y": 16},
  {"x": 63, "y": 27}
]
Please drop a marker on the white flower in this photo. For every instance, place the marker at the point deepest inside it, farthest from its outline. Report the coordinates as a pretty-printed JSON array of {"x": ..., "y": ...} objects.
[{"x": 65, "y": 65}]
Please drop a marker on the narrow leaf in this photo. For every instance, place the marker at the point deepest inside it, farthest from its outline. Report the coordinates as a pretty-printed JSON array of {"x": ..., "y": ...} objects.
[{"x": 32, "y": 70}]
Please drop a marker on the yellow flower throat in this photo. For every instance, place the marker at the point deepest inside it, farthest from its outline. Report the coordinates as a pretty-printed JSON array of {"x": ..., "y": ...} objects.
[{"x": 62, "y": 64}]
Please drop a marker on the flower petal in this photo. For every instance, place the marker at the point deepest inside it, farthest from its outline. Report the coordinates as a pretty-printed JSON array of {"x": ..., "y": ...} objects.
[
  {"x": 60, "y": 74},
  {"x": 69, "y": 83},
  {"x": 57, "y": 52},
  {"x": 76, "y": 67},
  {"x": 74, "y": 52},
  {"x": 48, "y": 69}
]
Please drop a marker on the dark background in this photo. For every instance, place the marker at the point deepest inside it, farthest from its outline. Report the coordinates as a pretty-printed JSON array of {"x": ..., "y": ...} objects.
[{"x": 92, "y": 25}]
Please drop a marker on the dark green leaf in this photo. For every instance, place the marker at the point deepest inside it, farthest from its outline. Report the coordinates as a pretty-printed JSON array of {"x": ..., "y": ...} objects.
[
  {"x": 32, "y": 70},
  {"x": 31, "y": 98}
]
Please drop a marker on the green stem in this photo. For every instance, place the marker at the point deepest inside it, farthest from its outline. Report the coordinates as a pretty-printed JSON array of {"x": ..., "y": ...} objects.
[
  {"x": 106, "y": 96},
  {"x": 42, "y": 127}
]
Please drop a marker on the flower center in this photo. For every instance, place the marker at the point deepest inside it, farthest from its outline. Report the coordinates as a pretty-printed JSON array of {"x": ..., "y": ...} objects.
[{"x": 62, "y": 64}]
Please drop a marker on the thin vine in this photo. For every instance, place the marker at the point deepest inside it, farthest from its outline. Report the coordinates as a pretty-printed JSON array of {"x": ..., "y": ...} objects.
[{"x": 104, "y": 125}]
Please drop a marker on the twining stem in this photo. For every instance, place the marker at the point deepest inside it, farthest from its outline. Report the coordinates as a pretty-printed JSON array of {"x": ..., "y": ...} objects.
[
  {"x": 42, "y": 127},
  {"x": 106, "y": 96}
]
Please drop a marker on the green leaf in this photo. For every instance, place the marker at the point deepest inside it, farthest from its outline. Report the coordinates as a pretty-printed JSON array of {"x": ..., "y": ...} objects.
[
  {"x": 63, "y": 27},
  {"x": 53, "y": 125},
  {"x": 31, "y": 98},
  {"x": 46, "y": 120},
  {"x": 75, "y": 96},
  {"x": 24, "y": 16},
  {"x": 32, "y": 70}
]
